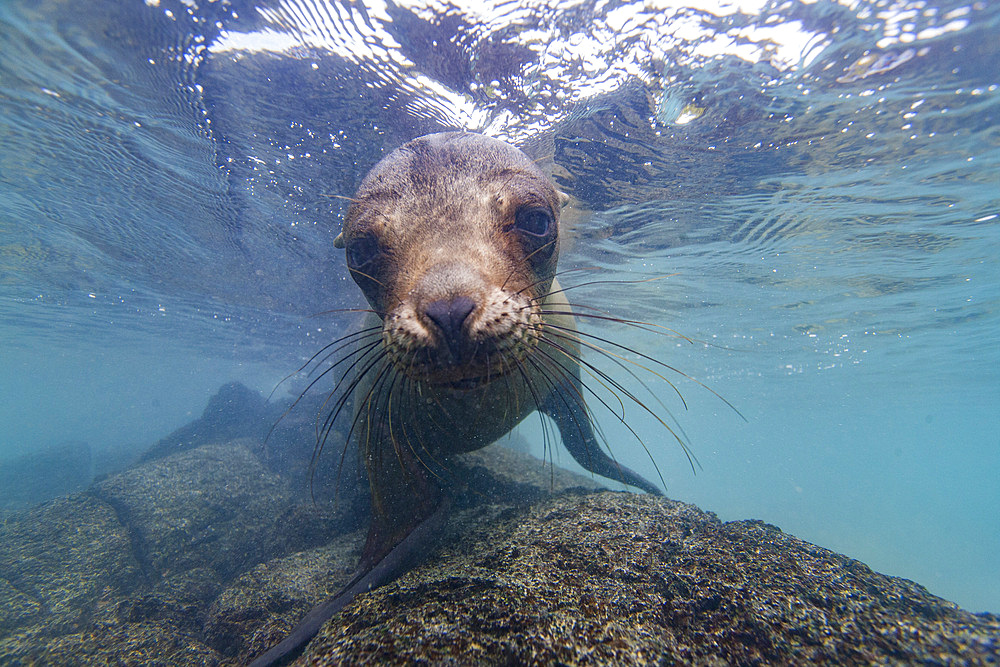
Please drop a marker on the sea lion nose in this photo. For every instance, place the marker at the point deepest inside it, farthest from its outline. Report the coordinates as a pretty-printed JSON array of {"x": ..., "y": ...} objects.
[{"x": 449, "y": 315}]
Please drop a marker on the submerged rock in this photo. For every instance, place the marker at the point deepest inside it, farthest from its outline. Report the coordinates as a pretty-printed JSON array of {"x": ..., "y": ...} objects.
[
  {"x": 136, "y": 562},
  {"x": 615, "y": 578},
  {"x": 282, "y": 435},
  {"x": 205, "y": 556},
  {"x": 60, "y": 562},
  {"x": 215, "y": 506},
  {"x": 234, "y": 412}
]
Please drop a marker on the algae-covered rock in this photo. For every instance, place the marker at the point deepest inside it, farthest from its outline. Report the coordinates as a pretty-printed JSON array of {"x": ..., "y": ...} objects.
[
  {"x": 613, "y": 578},
  {"x": 282, "y": 435},
  {"x": 60, "y": 561},
  {"x": 147, "y": 644},
  {"x": 261, "y": 606},
  {"x": 215, "y": 506},
  {"x": 206, "y": 557}
]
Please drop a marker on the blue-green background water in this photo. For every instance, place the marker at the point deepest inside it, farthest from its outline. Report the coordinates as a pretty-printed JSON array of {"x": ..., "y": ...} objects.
[{"x": 816, "y": 186}]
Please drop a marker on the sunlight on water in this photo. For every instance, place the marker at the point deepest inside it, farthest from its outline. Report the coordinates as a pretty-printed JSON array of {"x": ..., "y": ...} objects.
[{"x": 804, "y": 192}]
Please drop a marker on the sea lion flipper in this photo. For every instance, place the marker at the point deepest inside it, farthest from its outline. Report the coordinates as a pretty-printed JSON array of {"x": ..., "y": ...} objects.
[
  {"x": 565, "y": 406},
  {"x": 411, "y": 550}
]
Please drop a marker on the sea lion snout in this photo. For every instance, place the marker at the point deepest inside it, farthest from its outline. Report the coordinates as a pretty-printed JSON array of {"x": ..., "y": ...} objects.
[
  {"x": 464, "y": 337},
  {"x": 450, "y": 315}
]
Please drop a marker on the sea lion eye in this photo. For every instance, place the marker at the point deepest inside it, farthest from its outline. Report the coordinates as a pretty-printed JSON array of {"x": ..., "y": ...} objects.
[
  {"x": 533, "y": 221},
  {"x": 362, "y": 250}
]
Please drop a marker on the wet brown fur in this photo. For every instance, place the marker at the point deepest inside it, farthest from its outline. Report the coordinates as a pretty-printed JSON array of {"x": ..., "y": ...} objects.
[{"x": 442, "y": 208}]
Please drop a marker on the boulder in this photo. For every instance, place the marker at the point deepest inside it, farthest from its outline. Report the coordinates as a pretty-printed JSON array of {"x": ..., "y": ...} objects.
[
  {"x": 206, "y": 556},
  {"x": 617, "y": 578}
]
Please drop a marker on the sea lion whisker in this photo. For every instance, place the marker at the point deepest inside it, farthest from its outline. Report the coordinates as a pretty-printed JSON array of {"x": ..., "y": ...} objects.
[
  {"x": 544, "y": 373},
  {"x": 337, "y": 311},
  {"x": 323, "y": 431},
  {"x": 483, "y": 395},
  {"x": 409, "y": 442},
  {"x": 354, "y": 334},
  {"x": 406, "y": 436},
  {"x": 350, "y": 199},
  {"x": 319, "y": 377},
  {"x": 359, "y": 355},
  {"x": 362, "y": 273},
  {"x": 386, "y": 418},
  {"x": 539, "y": 249},
  {"x": 511, "y": 175},
  {"x": 609, "y": 281},
  {"x": 323, "y": 434},
  {"x": 621, "y": 388},
  {"x": 328, "y": 426},
  {"x": 414, "y": 391},
  {"x": 588, "y": 415},
  {"x": 366, "y": 409},
  {"x": 597, "y": 375},
  {"x": 360, "y": 343},
  {"x": 526, "y": 258},
  {"x": 659, "y": 363},
  {"x": 547, "y": 278},
  {"x": 510, "y": 393},
  {"x": 546, "y": 443},
  {"x": 651, "y": 327},
  {"x": 429, "y": 452},
  {"x": 534, "y": 283},
  {"x": 621, "y": 361},
  {"x": 591, "y": 370},
  {"x": 353, "y": 201}
]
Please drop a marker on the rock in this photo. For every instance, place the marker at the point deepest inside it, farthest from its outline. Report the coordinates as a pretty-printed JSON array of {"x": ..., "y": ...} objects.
[
  {"x": 215, "y": 506},
  {"x": 614, "y": 578},
  {"x": 234, "y": 412},
  {"x": 283, "y": 436},
  {"x": 60, "y": 562},
  {"x": 206, "y": 556},
  {"x": 131, "y": 567},
  {"x": 146, "y": 644},
  {"x": 264, "y": 604}
]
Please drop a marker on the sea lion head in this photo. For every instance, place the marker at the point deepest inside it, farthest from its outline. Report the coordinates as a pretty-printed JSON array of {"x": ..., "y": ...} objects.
[{"x": 453, "y": 238}]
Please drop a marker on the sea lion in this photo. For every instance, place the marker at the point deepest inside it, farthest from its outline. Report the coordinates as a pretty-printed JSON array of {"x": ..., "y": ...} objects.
[{"x": 454, "y": 240}]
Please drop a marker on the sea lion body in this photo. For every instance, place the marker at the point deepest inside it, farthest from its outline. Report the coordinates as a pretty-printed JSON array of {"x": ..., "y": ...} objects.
[{"x": 454, "y": 240}]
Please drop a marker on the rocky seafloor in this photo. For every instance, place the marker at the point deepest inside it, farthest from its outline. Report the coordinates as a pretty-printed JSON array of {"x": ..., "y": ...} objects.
[{"x": 206, "y": 552}]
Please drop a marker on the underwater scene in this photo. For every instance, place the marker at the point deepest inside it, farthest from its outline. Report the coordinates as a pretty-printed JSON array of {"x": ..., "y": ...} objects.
[{"x": 780, "y": 236}]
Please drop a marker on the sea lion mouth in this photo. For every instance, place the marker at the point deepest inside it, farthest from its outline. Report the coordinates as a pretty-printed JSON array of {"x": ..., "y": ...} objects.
[
  {"x": 467, "y": 384},
  {"x": 463, "y": 378}
]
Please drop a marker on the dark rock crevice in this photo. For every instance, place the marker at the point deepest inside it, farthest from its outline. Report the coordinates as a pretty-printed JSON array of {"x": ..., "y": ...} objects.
[{"x": 139, "y": 550}]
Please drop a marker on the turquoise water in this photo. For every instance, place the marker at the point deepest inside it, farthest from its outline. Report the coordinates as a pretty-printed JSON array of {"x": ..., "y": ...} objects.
[{"x": 814, "y": 188}]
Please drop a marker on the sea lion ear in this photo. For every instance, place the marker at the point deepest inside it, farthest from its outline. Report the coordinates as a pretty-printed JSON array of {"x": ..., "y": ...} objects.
[
  {"x": 339, "y": 241},
  {"x": 563, "y": 198}
]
